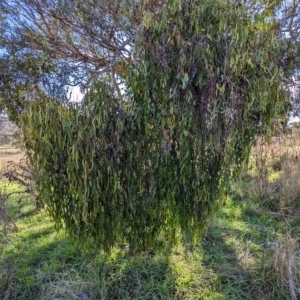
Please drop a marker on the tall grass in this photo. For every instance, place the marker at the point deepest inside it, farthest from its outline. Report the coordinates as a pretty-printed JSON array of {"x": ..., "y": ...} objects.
[
  {"x": 275, "y": 173},
  {"x": 286, "y": 263}
]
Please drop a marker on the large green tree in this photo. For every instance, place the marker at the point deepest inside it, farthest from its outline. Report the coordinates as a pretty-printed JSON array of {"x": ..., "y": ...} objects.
[{"x": 176, "y": 92}]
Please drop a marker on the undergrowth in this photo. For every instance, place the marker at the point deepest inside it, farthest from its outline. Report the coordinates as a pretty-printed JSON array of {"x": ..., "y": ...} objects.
[
  {"x": 256, "y": 256},
  {"x": 39, "y": 263}
]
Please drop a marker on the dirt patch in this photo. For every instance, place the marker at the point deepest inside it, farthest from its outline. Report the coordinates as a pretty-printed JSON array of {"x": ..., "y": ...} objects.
[{"x": 7, "y": 160}]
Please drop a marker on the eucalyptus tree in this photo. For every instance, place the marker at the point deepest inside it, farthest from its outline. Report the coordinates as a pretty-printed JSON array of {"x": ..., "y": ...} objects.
[
  {"x": 88, "y": 38},
  {"x": 176, "y": 92},
  {"x": 286, "y": 24}
]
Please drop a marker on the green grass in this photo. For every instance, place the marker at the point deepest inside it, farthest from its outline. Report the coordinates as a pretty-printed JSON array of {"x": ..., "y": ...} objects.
[{"x": 39, "y": 263}]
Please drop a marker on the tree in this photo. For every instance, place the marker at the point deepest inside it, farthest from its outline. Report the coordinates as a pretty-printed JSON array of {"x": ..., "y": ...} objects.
[
  {"x": 286, "y": 24},
  {"x": 26, "y": 75},
  {"x": 200, "y": 79},
  {"x": 88, "y": 38}
]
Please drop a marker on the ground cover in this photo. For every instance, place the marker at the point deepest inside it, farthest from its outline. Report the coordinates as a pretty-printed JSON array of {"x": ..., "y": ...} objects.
[{"x": 256, "y": 255}]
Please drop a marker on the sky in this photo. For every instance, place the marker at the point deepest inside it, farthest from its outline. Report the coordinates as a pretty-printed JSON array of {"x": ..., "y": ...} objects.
[{"x": 75, "y": 94}]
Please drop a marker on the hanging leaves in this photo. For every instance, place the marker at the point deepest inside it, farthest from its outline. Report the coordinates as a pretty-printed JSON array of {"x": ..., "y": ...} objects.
[{"x": 207, "y": 82}]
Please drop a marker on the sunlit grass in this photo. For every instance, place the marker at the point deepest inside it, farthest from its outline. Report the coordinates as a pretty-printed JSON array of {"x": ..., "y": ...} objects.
[{"x": 40, "y": 263}]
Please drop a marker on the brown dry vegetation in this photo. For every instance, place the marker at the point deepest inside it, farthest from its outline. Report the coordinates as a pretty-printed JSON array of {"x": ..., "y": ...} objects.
[
  {"x": 276, "y": 146},
  {"x": 274, "y": 181},
  {"x": 7, "y": 158},
  {"x": 275, "y": 170}
]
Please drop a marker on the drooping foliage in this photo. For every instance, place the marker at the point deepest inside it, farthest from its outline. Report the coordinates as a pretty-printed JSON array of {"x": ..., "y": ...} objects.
[{"x": 207, "y": 80}]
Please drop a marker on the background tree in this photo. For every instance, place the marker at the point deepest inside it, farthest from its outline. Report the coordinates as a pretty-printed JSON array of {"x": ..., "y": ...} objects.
[
  {"x": 286, "y": 24},
  {"x": 87, "y": 38}
]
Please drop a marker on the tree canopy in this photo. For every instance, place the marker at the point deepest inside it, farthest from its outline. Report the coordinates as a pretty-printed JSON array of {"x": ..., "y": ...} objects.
[{"x": 175, "y": 93}]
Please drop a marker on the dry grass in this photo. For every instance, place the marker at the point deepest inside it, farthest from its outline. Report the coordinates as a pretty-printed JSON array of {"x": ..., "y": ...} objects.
[
  {"x": 275, "y": 180},
  {"x": 285, "y": 262},
  {"x": 289, "y": 185},
  {"x": 275, "y": 170},
  {"x": 7, "y": 159},
  {"x": 277, "y": 146},
  {"x": 8, "y": 150}
]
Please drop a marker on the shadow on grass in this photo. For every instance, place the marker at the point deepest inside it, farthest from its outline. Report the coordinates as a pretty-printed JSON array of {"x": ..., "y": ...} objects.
[
  {"x": 54, "y": 268},
  {"x": 140, "y": 277},
  {"x": 41, "y": 264}
]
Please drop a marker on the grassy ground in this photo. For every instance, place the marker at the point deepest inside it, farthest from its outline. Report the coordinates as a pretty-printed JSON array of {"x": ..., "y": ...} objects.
[{"x": 254, "y": 257}]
